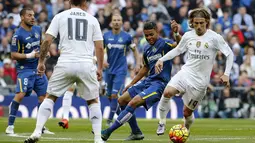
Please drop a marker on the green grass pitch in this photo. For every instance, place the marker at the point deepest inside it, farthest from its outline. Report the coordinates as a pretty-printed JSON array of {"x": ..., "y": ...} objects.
[{"x": 202, "y": 131}]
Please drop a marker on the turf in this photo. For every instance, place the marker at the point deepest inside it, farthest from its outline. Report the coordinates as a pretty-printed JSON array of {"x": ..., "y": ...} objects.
[{"x": 202, "y": 131}]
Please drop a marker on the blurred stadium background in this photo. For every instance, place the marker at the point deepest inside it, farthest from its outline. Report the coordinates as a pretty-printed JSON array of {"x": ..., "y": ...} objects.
[{"x": 233, "y": 19}]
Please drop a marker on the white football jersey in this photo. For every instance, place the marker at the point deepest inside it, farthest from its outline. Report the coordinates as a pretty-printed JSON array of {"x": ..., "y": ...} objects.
[
  {"x": 78, "y": 30},
  {"x": 201, "y": 53}
]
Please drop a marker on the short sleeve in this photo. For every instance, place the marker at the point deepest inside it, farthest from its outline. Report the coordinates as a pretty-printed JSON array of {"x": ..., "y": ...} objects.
[
  {"x": 54, "y": 26},
  {"x": 15, "y": 44},
  {"x": 145, "y": 61},
  {"x": 222, "y": 45},
  {"x": 97, "y": 33}
]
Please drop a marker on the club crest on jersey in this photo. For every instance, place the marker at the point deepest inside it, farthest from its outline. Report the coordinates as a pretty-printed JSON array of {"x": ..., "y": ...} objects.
[
  {"x": 154, "y": 49},
  {"x": 198, "y": 44},
  {"x": 120, "y": 40},
  {"x": 36, "y": 35},
  {"x": 206, "y": 45}
]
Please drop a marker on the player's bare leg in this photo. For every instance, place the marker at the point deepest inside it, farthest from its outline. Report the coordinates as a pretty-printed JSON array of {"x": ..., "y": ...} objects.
[
  {"x": 188, "y": 117},
  {"x": 44, "y": 113},
  {"x": 164, "y": 108}
]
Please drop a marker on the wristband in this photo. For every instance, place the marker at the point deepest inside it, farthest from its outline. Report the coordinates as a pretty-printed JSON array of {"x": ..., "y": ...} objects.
[
  {"x": 176, "y": 34},
  {"x": 30, "y": 55}
]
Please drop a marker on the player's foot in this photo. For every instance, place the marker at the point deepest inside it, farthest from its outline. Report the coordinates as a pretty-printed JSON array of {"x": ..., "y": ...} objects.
[
  {"x": 47, "y": 131},
  {"x": 105, "y": 135},
  {"x": 161, "y": 129},
  {"x": 109, "y": 123},
  {"x": 9, "y": 130},
  {"x": 133, "y": 136},
  {"x": 33, "y": 138},
  {"x": 63, "y": 123}
]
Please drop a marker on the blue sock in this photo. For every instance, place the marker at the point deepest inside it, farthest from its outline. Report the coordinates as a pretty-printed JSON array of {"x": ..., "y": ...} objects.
[
  {"x": 14, "y": 108},
  {"x": 39, "y": 104},
  {"x": 114, "y": 107},
  {"x": 133, "y": 123},
  {"x": 124, "y": 116}
]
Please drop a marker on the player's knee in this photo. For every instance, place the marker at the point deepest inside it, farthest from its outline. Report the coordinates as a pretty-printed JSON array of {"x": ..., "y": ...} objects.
[
  {"x": 122, "y": 102},
  {"x": 19, "y": 96},
  {"x": 187, "y": 112},
  {"x": 168, "y": 93},
  {"x": 114, "y": 96},
  {"x": 41, "y": 98}
]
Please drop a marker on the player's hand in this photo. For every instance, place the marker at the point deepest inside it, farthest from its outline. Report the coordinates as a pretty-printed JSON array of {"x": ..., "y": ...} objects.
[
  {"x": 126, "y": 88},
  {"x": 225, "y": 80},
  {"x": 99, "y": 74},
  {"x": 105, "y": 65},
  {"x": 174, "y": 26},
  {"x": 41, "y": 69},
  {"x": 158, "y": 66},
  {"x": 36, "y": 52}
]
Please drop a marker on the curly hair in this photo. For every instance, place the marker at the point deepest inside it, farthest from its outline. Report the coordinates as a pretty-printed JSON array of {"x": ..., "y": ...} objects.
[{"x": 202, "y": 13}]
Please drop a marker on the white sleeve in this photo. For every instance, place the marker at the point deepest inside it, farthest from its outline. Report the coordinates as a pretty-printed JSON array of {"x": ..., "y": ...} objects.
[
  {"x": 53, "y": 28},
  {"x": 225, "y": 49},
  {"x": 97, "y": 33},
  {"x": 180, "y": 48},
  {"x": 222, "y": 45}
]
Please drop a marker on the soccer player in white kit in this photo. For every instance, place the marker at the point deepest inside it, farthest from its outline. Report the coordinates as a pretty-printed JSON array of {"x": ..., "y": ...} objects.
[
  {"x": 201, "y": 45},
  {"x": 80, "y": 34}
]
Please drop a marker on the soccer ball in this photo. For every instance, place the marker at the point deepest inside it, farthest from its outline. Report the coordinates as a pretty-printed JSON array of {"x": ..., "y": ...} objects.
[{"x": 179, "y": 134}]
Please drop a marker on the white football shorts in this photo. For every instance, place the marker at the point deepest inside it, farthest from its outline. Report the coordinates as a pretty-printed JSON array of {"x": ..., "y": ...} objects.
[
  {"x": 191, "y": 96},
  {"x": 82, "y": 73}
]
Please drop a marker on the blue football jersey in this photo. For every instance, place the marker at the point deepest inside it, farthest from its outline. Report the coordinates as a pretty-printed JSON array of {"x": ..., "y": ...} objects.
[
  {"x": 151, "y": 55},
  {"x": 116, "y": 46},
  {"x": 25, "y": 42}
]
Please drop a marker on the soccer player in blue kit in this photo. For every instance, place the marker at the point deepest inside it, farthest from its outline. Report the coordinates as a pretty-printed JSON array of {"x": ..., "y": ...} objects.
[
  {"x": 25, "y": 47},
  {"x": 146, "y": 92},
  {"x": 117, "y": 43}
]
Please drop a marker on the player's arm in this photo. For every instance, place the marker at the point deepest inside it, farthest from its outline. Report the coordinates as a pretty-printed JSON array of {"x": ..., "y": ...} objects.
[
  {"x": 99, "y": 50},
  {"x": 225, "y": 49},
  {"x": 15, "y": 48},
  {"x": 137, "y": 57},
  {"x": 181, "y": 48},
  {"x": 142, "y": 72},
  {"x": 175, "y": 29},
  {"x": 45, "y": 47}
]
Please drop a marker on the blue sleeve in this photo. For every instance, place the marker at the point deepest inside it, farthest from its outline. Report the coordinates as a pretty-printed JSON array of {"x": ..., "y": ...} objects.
[
  {"x": 104, "y": 37},
  {"x": 15, "y": 44},
  {"x": 145, "y": 61},
  {"x": 130, "y": 39},
  {"x": 169, "y": 44}
]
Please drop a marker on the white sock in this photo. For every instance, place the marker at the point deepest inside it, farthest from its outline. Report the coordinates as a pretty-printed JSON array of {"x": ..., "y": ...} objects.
[
  {"x": 95, "y": 116},
  {"x": 188, "y": 121},
  {"x": 164, "y": 108},
  {"x": 66, "y": 104},
  {"x": 44, "y": 113}
]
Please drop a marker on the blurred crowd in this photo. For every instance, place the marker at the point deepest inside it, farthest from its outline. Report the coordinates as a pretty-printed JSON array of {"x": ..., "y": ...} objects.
[{"x": 233, "y": 19}]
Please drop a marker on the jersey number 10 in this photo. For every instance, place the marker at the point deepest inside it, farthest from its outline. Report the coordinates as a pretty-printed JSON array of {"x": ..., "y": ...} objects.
[{"x": 81, "y": 27}]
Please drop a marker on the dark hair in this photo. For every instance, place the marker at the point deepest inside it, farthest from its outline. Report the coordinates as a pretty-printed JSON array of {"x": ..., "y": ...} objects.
[
  {"x": 23, "y": 11},
  {"x": 149, "y": 25},
  {"x": 77, "y": 2},
  {"x": 199, "y": 12}
]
